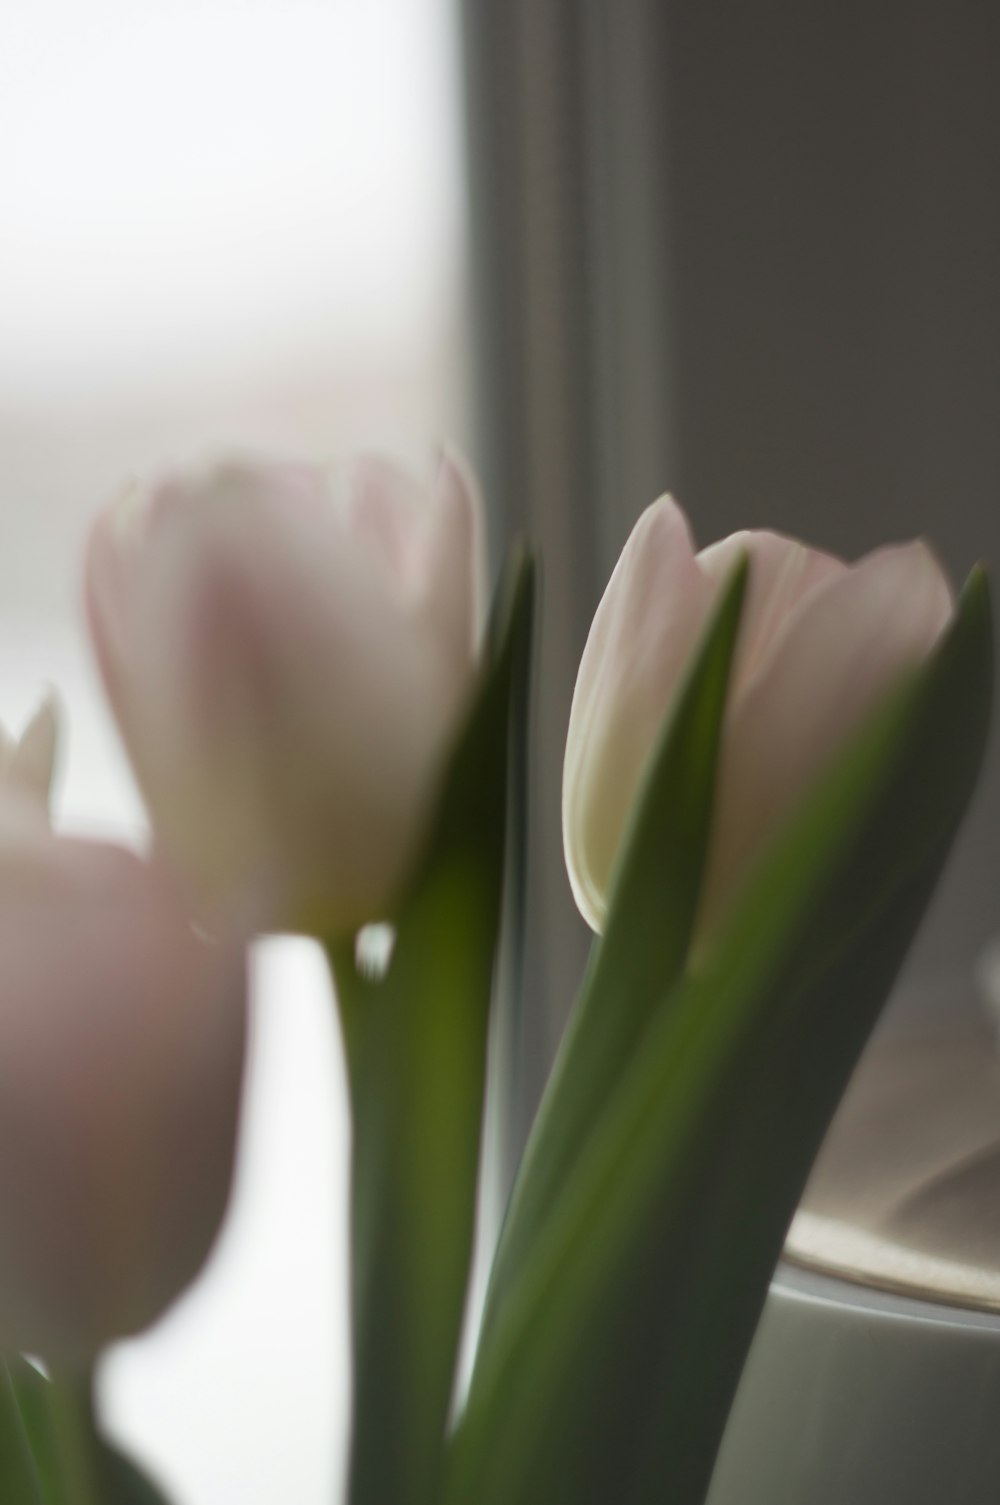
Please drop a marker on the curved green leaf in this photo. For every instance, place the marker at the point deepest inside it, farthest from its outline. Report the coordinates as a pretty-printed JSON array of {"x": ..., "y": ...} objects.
[{"x": 654, "y": 893}]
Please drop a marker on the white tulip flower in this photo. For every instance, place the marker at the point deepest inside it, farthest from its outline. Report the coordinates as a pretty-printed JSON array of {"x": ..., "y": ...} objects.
[
  {"x": 288, "y": 653},
  {"x": 820, "y": 643}
]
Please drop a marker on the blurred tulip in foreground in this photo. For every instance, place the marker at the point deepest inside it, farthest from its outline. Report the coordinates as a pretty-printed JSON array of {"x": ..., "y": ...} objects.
[
  {"x": 820, "y": 642},
  {"x": 27, "y": 765},
  {"x": 121, "y": 1057},
  {"x": 288, "y": 652}
]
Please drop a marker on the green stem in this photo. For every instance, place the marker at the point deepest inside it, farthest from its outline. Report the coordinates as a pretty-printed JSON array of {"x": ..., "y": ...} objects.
[{"x": 80, "y": 1456}]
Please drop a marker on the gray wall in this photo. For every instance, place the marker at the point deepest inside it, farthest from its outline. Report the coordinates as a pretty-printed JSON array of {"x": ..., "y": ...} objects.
[{"x": 749, "y": 253}]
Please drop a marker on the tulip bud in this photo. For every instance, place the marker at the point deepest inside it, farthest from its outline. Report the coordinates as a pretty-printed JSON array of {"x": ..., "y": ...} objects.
[
  {"x": 820, "y": 643},
  {"x": 27, "y": 766},
  {"x": 288, "y": 653},
  {"x": 123, "y": 1043}
]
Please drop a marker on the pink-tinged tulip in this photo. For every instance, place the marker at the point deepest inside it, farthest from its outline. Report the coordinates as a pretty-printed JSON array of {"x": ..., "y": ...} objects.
[
  {"x": 820, "y": 643},
  {"x": 27, "y": 766},
  {"x": 288, "y": 653},
  {"x": 121, "y": 1056}
]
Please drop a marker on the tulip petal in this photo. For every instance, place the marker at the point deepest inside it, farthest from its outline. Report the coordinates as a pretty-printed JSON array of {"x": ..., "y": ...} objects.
[
  {"x": 119, "y": 1086},
  {"x": 457, "y": 573},
  {"x": 293, "y": 684},
  {"x": 426, "y": 543},
  {"x": 857, "y": 633},
  {"x": 645, "y": 627},
  {"x": 783, "y": 575},
  {"x": 280, "y": 659},
  {"x": 132, "y": 636},
  {"x": 32, "y": 763},
  {"x": 382, "y": 505}
]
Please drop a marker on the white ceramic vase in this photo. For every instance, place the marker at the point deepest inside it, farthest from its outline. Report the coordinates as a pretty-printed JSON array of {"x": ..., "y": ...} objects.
[
  {"x": 854, "y": 1396},
  {"x": 874, "y": 1377}
]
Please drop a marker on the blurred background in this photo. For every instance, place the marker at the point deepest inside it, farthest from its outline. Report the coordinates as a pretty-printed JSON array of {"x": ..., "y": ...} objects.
[{"x": 748, "y": 253}]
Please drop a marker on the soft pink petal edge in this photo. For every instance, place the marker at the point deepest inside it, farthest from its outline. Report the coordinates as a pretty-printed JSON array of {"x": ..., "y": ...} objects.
[
  {"x": 856, "y": 635},
  {"x": 784, "y": 573},
  {"x": 646, "y": 623}
]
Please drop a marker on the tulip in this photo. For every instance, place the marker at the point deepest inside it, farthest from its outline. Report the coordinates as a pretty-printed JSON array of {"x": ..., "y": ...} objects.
[
  {"x": 121, "y": 1054},
  {"x": 821, "y": 642},
  {"x": 27, "y": 766},
  {"x": 288, "y": 653}
]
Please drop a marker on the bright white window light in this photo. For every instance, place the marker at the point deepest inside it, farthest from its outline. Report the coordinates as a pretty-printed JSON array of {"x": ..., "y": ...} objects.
[{"x": 193, "y": 181}]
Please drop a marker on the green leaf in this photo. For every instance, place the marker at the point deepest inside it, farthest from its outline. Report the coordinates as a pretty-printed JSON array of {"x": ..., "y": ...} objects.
[
  {"x": 505, "y": 1107},
  {"x": 19, "y": 1479},
  {"x": 612, "y": 1370},
  {"x": 33, "y": 1393},
  {"x": 416, "y": 1047},
  {"x": 125, "y": 1485},
  {"x": 655, "y": 894},
  {"x": 72, "y": 1463}
]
